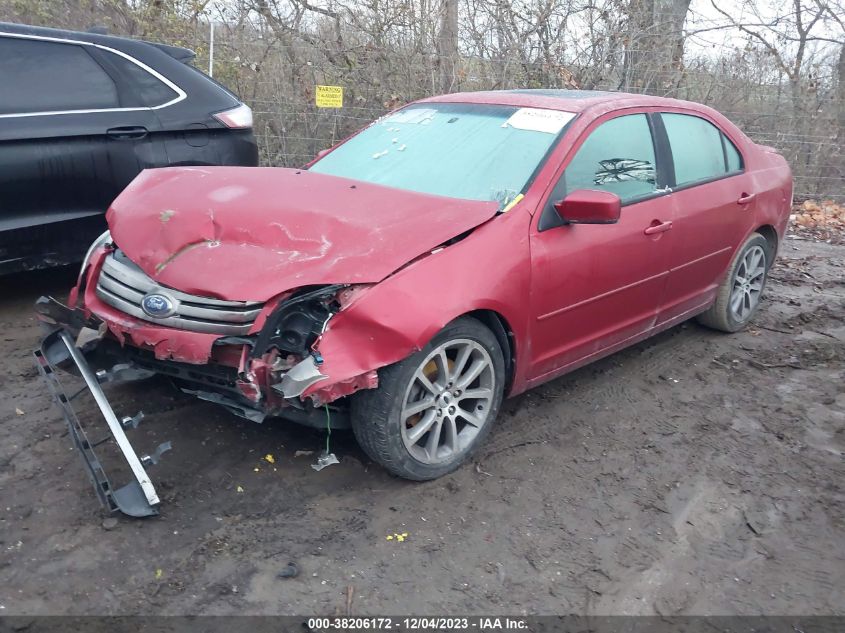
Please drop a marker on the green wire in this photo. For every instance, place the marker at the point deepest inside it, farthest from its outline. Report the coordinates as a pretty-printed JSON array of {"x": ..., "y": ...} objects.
[{"x": 328, "y": 428}]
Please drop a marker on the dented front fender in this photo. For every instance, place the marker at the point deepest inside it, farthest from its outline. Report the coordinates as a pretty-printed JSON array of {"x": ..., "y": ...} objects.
[{"x": 384, "y": 323}]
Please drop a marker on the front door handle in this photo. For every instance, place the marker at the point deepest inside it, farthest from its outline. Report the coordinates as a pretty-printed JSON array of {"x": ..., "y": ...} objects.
[
  {"x": 127, "y": 133},
  {"x": 745, "y": 198},
  {"x": 658, "y": 227}
]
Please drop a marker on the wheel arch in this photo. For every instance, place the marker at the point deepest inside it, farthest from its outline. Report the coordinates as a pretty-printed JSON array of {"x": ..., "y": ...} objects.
[
  {"x": 770, "y": 233},
  {"x": 504, "y": 335}
]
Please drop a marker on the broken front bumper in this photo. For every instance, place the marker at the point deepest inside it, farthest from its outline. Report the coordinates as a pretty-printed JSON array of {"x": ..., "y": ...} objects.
[{"x": 138, "y": 498}]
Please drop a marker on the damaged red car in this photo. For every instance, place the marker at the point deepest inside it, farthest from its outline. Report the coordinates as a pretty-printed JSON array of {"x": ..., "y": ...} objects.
[{"x": 455, "y": 252}]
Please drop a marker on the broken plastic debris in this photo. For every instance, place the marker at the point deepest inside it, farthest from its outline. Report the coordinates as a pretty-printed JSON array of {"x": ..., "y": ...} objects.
[
  {"x": 239, "y": 489},
  {"x": 299, "y": 453},
  {"x": 18, "y": 410},
  {"x": 401, "y": 148},
  {"x": 378, "y": 155},
  {"x": 257, "y": 469},
  {"x": 325, "y": 459},
  {"x": 165, "y": 216},
  {"x": 269, "y": 458}
]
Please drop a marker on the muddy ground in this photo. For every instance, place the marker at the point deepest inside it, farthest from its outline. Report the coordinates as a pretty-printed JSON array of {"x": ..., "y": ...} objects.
[{"x": 694, "y": 473}]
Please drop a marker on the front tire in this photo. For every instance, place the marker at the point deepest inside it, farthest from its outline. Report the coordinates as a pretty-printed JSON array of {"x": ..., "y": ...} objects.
[
  {"x": 738, "y": 298},
  {"x": 434, "y": 408}
]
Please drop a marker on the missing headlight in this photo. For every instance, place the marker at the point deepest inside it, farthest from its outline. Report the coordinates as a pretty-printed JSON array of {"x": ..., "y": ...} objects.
[{"x": 298, "y": 321}]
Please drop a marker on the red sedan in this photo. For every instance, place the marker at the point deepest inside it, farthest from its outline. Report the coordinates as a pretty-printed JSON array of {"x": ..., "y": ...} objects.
[{"x": 459, "y": 250}]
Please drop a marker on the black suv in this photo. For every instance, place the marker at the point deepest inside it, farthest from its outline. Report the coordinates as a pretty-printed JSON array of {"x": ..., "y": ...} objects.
[{"x": 81, "y": 115}]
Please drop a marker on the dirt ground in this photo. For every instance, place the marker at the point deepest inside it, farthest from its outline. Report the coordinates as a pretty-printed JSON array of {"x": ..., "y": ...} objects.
[{"x": 696, "y": 473}]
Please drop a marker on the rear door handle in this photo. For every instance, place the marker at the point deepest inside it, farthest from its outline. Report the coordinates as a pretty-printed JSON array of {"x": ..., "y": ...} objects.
[
  {"x": 127, "y": 133},
  {"x": 745, "y": 198},
  {"x": 661, "y": 227}
]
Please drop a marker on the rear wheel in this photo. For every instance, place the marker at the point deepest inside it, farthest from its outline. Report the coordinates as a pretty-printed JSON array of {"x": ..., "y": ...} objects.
[
  {"x": 739, "y": 295},
  {"x": 432, "y": 409}
]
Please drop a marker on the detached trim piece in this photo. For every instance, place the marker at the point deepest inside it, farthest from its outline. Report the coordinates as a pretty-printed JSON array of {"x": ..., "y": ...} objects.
[{"x": 136, "y": 498}]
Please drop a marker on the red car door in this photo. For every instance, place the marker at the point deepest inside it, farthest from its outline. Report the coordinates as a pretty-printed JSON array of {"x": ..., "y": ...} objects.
[
  {"x": 713, "y": 201},
  {"x": 596, "y": 288}
]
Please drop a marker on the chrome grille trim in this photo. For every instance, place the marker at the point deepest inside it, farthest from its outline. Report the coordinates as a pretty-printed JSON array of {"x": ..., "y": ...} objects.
[{"x": 122, "y": 285}]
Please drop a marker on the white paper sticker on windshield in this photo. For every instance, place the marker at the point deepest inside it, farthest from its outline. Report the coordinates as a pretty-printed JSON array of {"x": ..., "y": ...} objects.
[
  {"x": 537, "y": 120},
  {"x": 412, "y": 115}
]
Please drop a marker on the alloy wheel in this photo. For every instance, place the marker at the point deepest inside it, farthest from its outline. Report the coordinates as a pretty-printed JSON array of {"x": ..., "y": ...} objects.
[
  {"x": 748, "y": 283},
  {"x": 448, "y": 401}
]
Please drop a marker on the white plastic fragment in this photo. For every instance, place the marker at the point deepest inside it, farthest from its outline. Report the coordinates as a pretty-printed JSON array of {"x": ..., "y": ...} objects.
[{"x": 325, "y": 459}]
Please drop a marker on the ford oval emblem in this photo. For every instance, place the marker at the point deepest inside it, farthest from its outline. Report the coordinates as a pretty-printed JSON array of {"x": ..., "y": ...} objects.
[{"x": 158, "y": 305}]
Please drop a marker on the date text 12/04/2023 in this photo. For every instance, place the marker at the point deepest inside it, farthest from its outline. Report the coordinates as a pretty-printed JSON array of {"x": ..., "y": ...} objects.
[{"x": 417, "y": 623}]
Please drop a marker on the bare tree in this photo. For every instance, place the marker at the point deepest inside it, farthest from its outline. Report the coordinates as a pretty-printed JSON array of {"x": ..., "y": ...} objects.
[{"x": 780, "y": 75}]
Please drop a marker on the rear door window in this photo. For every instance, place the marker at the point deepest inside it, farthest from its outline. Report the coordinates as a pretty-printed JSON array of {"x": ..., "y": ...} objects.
[
  {"x": 618, "y": 157},
  {"x": 39, "y": 76},
  {"x": 697, "y": 149}
]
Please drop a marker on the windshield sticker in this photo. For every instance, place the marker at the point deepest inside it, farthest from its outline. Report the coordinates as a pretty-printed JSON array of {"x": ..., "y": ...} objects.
[
  {"x": 412, "y": 115},
  {"x": 537, "y": 120}
]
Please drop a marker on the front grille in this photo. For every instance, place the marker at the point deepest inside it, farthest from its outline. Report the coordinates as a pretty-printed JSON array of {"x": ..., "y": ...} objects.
[{"x": 122, "y": 285}]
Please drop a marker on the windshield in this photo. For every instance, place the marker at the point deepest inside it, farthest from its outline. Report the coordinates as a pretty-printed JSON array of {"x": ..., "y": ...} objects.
[{"x": 459, "y": 150}]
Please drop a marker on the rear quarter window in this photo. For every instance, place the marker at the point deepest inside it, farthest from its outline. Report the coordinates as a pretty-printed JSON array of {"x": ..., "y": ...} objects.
[
  {"x": 696, "y": 148},
  {"x": 142, "y": 89},
  {"x": 732, "y": 156}
]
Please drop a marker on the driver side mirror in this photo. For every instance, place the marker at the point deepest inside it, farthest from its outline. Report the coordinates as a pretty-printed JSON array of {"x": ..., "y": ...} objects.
[{"x": 589, "y": 206}]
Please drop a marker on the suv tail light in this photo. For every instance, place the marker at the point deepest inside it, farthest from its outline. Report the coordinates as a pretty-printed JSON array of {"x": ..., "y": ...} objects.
[{"x": 237, "y": 118}]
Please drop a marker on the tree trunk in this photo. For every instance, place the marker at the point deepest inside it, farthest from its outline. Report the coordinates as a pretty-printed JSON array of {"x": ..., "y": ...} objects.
[
  {"x": 654, "y": 45},
  {"x": 447, "y": 45}
]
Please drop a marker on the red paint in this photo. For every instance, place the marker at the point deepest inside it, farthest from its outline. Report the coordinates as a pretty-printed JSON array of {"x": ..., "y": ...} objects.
[
  {"x": 568, "y": 295},
  {"x": 337, "y": 390},
  {"x": 252, "y": 233}
]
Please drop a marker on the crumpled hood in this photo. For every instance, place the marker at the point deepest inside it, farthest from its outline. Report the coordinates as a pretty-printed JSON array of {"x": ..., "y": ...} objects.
[{"x": 250, "y": 233}]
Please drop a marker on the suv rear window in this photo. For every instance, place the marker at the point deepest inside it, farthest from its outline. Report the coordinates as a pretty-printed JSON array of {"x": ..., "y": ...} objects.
[{"x": 40, "y": 76}]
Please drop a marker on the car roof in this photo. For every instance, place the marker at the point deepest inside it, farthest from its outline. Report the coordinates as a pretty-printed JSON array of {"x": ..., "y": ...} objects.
[
  {"x": 112, "y": 41},
  {"x": 566, "y": 100}
]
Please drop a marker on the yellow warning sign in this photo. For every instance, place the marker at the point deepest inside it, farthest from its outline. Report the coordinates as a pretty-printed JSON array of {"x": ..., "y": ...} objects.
[{"x": 329, "y": 96}]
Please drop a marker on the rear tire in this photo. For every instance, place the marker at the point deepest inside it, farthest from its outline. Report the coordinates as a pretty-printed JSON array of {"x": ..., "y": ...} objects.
[
  {"x": 434, "y": 408},
  {"x": 738, "y": 298}
]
